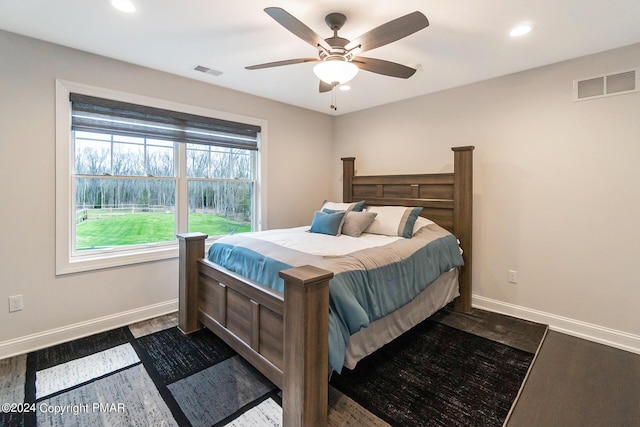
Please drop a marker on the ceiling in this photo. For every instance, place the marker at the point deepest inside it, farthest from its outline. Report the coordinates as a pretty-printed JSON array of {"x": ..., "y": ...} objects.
[{"x": 466, "y": 41}]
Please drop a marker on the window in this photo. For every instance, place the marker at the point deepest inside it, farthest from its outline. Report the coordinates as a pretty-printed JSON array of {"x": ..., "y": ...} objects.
[
  {"x": 139, "y": 170},
  {"x": 221, "y": 189},
  {"x": 125, "y": 191}
]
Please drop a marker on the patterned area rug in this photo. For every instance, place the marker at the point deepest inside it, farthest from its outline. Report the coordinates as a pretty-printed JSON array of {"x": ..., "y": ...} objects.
[{"x": 150, "y": 374}]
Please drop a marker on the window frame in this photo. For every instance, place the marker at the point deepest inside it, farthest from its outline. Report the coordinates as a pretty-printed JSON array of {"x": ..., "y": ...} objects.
[{"x": 66, "y": 261}]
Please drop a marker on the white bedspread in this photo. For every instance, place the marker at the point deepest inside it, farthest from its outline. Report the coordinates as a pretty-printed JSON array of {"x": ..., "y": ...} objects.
[
  {"x": 321, "y": 244},
  {"x": 300, "y": 239}
]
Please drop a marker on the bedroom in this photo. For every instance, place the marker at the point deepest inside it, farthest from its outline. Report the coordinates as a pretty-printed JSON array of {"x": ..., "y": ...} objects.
[{"x": 552, "y": 178}]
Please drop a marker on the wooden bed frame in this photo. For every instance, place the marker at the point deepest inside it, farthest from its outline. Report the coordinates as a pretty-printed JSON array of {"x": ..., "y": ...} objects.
[{"x": 285, "y": 336}]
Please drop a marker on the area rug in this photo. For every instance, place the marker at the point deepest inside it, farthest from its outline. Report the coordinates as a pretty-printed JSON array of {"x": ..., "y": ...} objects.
[
  {"x": 150, "y": 374},
  {"x": 436, "y": 375}
]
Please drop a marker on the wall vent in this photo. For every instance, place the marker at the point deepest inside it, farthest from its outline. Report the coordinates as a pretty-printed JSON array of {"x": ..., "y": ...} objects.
[
  {"x": 606, "y": 85},
  {"x": 207, "y": 70}
]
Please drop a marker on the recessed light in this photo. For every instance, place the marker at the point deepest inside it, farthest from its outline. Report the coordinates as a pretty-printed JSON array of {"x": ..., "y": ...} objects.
[
  {"x": 344, "y": 87},
  {"x": 124, "y": 5},
  {"x": 521, "y": 29}
]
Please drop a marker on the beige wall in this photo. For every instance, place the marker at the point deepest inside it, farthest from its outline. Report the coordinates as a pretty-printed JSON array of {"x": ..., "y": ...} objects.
[
  {"x": 299, "y": 144},
  {"x": 556, "y": 187}
]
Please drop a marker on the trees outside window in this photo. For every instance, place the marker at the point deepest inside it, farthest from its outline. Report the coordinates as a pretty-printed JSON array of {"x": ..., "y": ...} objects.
[
  {"x": 131, "y": 175},
  {"x": 125, "y": 190}
]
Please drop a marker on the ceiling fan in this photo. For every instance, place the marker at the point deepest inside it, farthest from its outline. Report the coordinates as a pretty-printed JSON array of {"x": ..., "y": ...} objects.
[{"x": 337, "y": 57}]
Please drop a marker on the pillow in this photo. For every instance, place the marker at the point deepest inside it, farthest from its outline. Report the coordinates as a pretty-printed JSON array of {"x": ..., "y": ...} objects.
[
  {"x": 327, "y": 210},
  {"x": 333, "y": 207},
  {"x": 393, "y": 220},
  {"x": 355, "y": 206},
  {"x": 421, "y": 222},
  {"x": 356, "y": 222},
  {"x": 331, "y": 211},
  {"x": 327, "y": 223}
]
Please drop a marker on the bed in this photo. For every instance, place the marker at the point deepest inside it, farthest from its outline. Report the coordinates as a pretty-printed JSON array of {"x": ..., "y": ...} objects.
[{"x": 285, "y": 334}]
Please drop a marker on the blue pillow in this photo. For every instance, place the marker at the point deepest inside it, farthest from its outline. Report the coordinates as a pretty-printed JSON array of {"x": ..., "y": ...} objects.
[
  {"x": 358, "y": 206},
  {"x": 327, "y": 223}
]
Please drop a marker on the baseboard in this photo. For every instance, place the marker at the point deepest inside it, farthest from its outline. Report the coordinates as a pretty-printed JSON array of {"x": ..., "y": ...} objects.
[
  {"x": 611, "y": 337},
  {"x": 588, "y": 331},
  {"x": 51, "y": 337}
]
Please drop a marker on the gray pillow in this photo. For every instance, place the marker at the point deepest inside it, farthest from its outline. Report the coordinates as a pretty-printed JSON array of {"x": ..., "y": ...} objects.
[{"x": 355, "y": 223}]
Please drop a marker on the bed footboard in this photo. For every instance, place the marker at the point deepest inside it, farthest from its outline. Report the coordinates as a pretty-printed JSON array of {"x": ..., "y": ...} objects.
[{"x": 284, "y": 336}]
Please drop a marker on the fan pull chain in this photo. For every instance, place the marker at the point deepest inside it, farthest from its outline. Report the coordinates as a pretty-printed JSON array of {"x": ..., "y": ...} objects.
[{"x": 333, "y": 105}]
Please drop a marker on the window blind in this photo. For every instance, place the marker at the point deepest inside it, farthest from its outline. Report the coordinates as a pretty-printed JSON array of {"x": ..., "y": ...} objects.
[{"x": 94, "y": 114}]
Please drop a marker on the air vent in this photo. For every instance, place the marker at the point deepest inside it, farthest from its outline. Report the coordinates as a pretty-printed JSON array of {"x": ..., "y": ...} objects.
[
  {"x": 590, "y": 87},
  {"x": 606, "y": 85},
  {"x": 207, "y": 70},
  {"x": 621, "y": 82}
]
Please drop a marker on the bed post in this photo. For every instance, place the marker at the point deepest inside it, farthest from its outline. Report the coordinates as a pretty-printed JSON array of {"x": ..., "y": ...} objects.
[
  {"x": 191, "y": 248},
  {"x": 348, "y": 171},
  {"x": 306, "y": 346},
  {"x": 463, "y": 220}
]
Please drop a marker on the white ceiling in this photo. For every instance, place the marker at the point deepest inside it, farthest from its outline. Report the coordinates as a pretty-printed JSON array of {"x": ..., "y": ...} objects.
[{"x": 466, "y": 41}]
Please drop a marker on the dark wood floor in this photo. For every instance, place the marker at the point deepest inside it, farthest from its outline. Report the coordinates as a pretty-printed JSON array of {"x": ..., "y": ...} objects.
[{"x": 575, "y": 382}]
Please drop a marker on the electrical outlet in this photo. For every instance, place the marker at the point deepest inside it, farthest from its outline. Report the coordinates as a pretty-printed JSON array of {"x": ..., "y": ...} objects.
[
  {"x": 15, "y": 303},
  {"x": 512, "y": 276}
]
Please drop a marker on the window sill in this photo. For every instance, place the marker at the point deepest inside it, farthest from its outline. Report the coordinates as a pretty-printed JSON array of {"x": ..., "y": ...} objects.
[{"x": 104, "y": 260}]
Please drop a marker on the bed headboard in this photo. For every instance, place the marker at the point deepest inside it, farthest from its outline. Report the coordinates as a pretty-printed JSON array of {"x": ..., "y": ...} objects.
[{"x": 446, "y": 198}]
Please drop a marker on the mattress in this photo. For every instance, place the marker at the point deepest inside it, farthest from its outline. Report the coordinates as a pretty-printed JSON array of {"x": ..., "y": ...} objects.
[{"x": 382, "y": 331}]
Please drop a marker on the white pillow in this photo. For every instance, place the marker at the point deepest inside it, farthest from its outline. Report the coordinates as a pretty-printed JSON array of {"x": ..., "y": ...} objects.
[
  {"x": 421, "y": 222},
  {"x": 338, "y": 206},
  {"x": 393, "y": 220}
]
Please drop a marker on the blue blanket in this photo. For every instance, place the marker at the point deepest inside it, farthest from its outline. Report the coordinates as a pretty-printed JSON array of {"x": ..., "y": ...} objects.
[{"x": 367, "y": 284}]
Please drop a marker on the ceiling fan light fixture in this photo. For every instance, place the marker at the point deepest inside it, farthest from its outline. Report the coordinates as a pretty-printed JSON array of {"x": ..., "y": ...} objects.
[
  {"x": 124, "y": 5},
  {"x": 335, "y": 71}
]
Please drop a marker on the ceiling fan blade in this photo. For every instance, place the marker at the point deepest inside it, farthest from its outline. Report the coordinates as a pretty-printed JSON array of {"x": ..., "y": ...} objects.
[
  {"x": 390, "y": 32},
  {"x": 292, "y": 24},
  {"x": 387, "y": 68},
  {"x": 281, "y": 63},
  {"x": 325, "y": 87}
]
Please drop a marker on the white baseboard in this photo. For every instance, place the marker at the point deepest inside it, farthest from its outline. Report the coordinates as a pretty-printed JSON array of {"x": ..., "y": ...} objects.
[
  {"x": 51, "y": 337},
  {"x": 576, "y": 328},
  {"x": 588, "y": 331}
]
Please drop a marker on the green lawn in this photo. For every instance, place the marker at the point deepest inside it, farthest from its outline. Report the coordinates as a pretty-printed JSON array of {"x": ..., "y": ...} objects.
[{"x": 137, "y": 228}]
